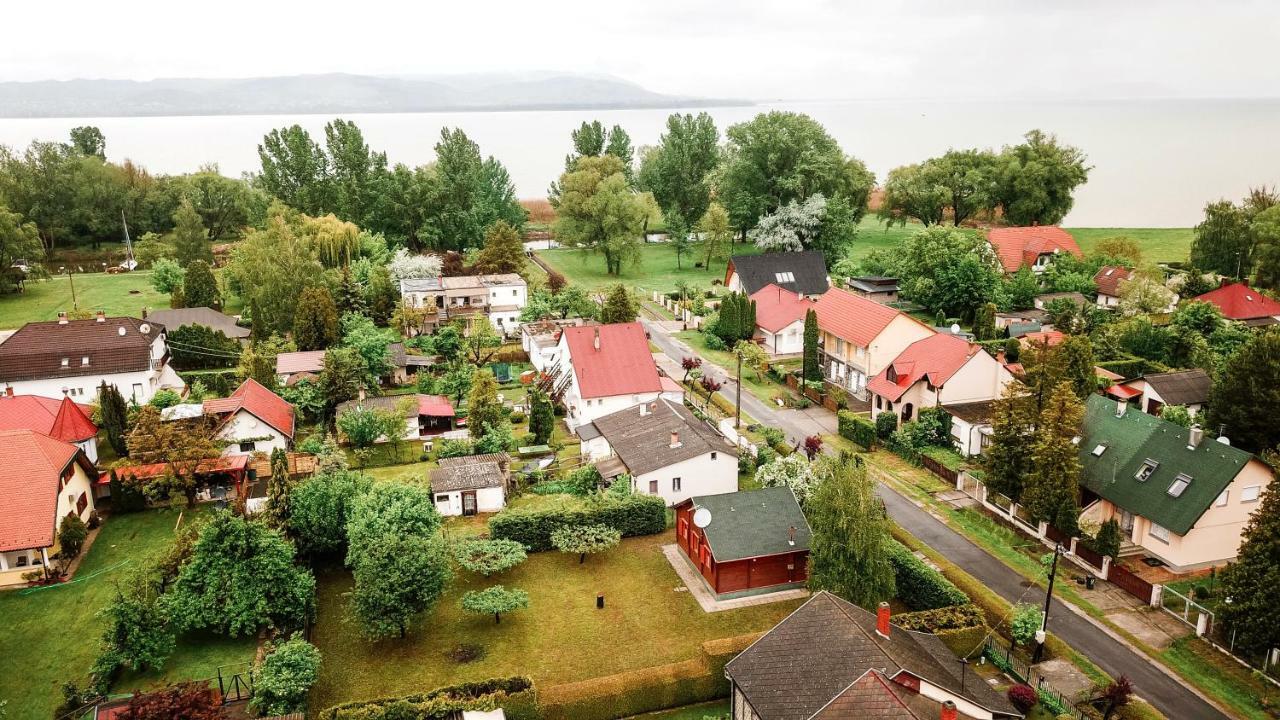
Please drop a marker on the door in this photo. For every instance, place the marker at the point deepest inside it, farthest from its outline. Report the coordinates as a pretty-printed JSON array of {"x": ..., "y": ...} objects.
[
  {"x": 469, "y": 502},
  {"x": 1126, "y": 523}
]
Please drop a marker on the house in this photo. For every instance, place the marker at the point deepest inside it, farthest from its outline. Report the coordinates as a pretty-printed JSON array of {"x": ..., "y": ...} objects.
[
  {"x": 219, "y": 477},
  {"x": 780, "y": 320},
  {"x": 425, "y": 415},
  {"x": 859, "y": 337},
  {"x": 471, "y": 484},
  {"x": 540, "y": 339},
  {"x": 750, "y": 542},
  {"x": 1044, "y": 300},
  {"x": 1031, "y": 247},
  {"x": 939, "y": 370},
  {"x": 831, "y": 659},
  {"x": 1018, "y": 327},
  {"x": 73, "y": 357},
  {"x": 59, "y": 419},
  {"x": 500, "y": 298},
  {"x": 604, "y": 369},
  {"x": 1108, "y": 280},
  {"x": 1239, "y": 302},
  {"x": 405, "y": 365},
  {"x": 1179, "y": 497},
  {"x": 665, "y": 449},
  {"x": 802, "y": 272},
  {"x": 1048, "y": 338},
  {"x": 971, "y": 426},
  {"x": 42, "y": 480},
  {"x": 1152, "y": 392},
  {"x": 252, "y": 419},
  {"x": 203, "y": 316},
  {"x": 882, "y": 289},
  {"x": 293, "y": 367}
]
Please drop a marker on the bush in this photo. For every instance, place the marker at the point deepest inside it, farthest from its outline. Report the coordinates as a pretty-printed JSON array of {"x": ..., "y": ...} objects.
[
  {"x": 954, "y": 617},
  {"x": 219, "y": 383},
  {"x": 1201, "y": 592},
  {"x": 714, "y": 342},
  {"x": 71, "y": 536},
  {"x": 583, "y": 481},
  {"x": 455, "y": 448},
  {"x": 920, "y": 586},
  {"x": 886, "y": 423},
  {"x": 1023, "y": 697},
  {"x": 517, "y": 417},
  {"x": 856, "y": 428},
  {"x": 1108, "y": 540},
  {"x": 515, "y": 695},
  {"x": 633, "y": 515},
  {"x": 1026, "y": 622},
  {"x": 165, "y": 398},
  {"x": 284, "y": 676},
  {"x": 965, "y": 642},
  {"x": 773, "y": 436},
  {"x": 465, "y": 653}
]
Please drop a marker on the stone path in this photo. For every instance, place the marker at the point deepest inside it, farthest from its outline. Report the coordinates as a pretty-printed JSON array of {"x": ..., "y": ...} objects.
[{"x": 694, "y": 585}]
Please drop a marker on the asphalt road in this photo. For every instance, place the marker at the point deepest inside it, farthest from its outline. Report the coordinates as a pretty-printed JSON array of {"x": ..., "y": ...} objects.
[{"x": 1167, "y": 695}]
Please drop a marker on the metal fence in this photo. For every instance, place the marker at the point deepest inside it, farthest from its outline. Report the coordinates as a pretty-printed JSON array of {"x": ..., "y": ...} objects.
[
  {"x": 1184, "y": 608},
  {"x": 1004, "y": 657}
]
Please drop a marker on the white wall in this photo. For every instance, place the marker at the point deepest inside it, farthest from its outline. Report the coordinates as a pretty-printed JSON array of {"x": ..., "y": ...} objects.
[
  {"x": 139, "y": 386},
  {"x": 488, "y": 500},
  {"x": 967, "y": 437},
  {"x": 788, "y": 340},
  {"x": 698, "y": 476},
  {"x": 244, "y": 425},
  {"x": 90, "y": 448}
]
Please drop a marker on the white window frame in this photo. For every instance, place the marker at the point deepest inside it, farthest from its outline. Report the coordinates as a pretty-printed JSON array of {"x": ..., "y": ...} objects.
[
  {"x": 1159, "y": 533},
  {"x": 1223, "y": 498},
  {"x": 1250, "y": 494}
]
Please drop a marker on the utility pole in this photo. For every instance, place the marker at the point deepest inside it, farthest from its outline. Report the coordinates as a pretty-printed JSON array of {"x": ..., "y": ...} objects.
[
  {"x": 737, "y": 411},
  {"x": 74, "y": 305},
  {"x": 1042, "y": 633}
]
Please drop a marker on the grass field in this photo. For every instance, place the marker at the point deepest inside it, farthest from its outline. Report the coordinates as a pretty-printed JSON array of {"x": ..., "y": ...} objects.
[
  {"x": 1158, "y": 244},
  {"x": 560, "y": 638},
  {"x": 124, "y": 294},
  {"x": 764, "y": 389},
  {"x": 51, "y": 635}
]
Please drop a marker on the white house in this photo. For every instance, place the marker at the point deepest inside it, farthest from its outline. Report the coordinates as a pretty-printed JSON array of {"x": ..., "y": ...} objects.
[
  {"x": 540, "y": 339},
  {"x": 252, "y": 419},
  {"x": 72, "y": 358},
  {"x": 664, "y": 448},
  {"x": 471, "y": 484},
  {"x": 500, "y": 298},
  {"x": 1107, "y": 280},
  {"x": 424, "y": 415},
  {"x": 59, "y": 419},
  {"x": 604, "y": 369},
  {"x": 42, "y": 481},
  {"x": 780, "y": 320},
  {"x": 1154, "y": 391}
]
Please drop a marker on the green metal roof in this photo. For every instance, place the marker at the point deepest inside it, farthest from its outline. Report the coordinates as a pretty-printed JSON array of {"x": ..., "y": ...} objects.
[
  {"x": 1130, "y": 441},
  {"x": 753, "y": 523}
]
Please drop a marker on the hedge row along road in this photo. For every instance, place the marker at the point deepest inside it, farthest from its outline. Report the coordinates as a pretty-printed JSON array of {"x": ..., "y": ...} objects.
[{"x": 1167, "y": 695}]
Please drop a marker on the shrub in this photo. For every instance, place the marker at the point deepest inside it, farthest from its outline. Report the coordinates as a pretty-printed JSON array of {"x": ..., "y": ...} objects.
[
  {"x": 886, "y": 423},
  {"x": 954, "y": 617},
  {"x": 465, "y": 653},
  {"x": 1023, "y": 697},
  {"x": 715, "y": 343},
  {"x": 284, "y": 676},
  {"x": 1026, "y": 622},
  {"x": 517, "y": 417},
  {"x": 631, "y": 516},
  {"x": 773, "y": 436},
  {"x": 919, "y": 585},
  {"x": 583, "y": 481},
  {"x": 965, "y": 642},
  {"x": 71, "y": 536},
  {"x": 583, "y": 540},
  {"x": 515, "y": 695},
  {"x": 455, "y": 448},
  {"x": 488, "y": 557},
  {"x": 856, "y": 429},
  {"x": 165, "y": 398},
  {"x": 1108, "y": 540},
  {"x": 1201, "y": 592},
  {"x": 190, "y": 700}
]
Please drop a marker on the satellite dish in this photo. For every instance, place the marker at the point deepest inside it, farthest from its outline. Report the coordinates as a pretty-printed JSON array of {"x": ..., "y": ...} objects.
[
  {"x": 701, "y": 517},
  {"x": 1224, "y": 440},
  {"x": 955, "y": 328},
  {"x": 144, "y": 328}
]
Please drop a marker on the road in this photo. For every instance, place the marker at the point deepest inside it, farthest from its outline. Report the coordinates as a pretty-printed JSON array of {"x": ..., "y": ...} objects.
[{"x": 1166, "y": 694}]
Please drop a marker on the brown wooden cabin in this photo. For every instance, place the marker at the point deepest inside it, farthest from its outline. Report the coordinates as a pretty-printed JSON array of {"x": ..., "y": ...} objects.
[{"x": 756, "y": 539}]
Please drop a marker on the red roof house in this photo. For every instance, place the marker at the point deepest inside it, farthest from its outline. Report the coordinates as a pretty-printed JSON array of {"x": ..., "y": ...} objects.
[
  {"x": 42, "y": 480},
  {"x": 851, "y": 317},
  {"x": 859, "y": 337},
  {"x": 780, "y": 319},
  {"x": 933, "y": 360},
  {"x": 1108, "y": 279},
  {"x": 59, "y": 419},
  {"x": 1044, "y": 337},
  {"x": 1238, "y": 301},
  {"x": 241, "y": 413},
  {"x": 1019, "y": 247},
  {"x": 612, "y": 360}
]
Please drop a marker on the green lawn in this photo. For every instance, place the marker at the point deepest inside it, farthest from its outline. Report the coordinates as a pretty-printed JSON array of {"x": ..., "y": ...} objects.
[
  {"x": 560, "y": 638},
  {"x": 764, "y": 389},
  {"x": 689, "y": 712},
  {"x": 123, "y": 294},
  {"x": 1222, "y": 677},
  {"x": 1158, "y": 244},
  {"x": 51, "y": 635}
]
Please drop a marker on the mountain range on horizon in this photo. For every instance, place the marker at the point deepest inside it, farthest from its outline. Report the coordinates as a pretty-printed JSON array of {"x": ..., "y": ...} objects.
[{"x": 332, "y": 93}]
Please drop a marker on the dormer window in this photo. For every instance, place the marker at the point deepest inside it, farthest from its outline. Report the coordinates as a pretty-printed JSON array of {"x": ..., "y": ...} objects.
[
  {"x": 1148, "y": 466},
  {"x": 1179, "y": 485},
  {"x": 84, "y": 360},
  {"x": 1099, "y": 449}
]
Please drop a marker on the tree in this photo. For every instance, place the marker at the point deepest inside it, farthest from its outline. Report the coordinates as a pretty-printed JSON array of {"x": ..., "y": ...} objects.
[
  {"x": 716, "y": 234},
  {"x": 1266, "y": 230},
  {"x": 343, "y": 376},
  {"x": 753, "y": 356},
  {"x": 619, "y": 306},
  {"x": 542, "y": 418},
  {"x": 126, "y": 495},
  {"x": 319, "y": 509},
  {"x": 284, "y": 676},
  {"x": 484, "y": 409},
  {"x": 295, "y": 170},
  {"x": 1223, "y": 242},
  {"x": 115, "y": 417},
  {"x": 19, "y": 240},
  {"x": 89, "y": 141},
  {"x": 584, "y": 540},
  {"x": 72, "y": 533},
  {"x": 138, "y": 635},
  {"x": 849, "y": 550},
  {"x": 678, "y": 170},
  {"x": 790, "y": 228},
  {"x": 397, "y": 577},
  {"x": 984, "y": 322},
  {"x": 1250, "y": 581},
  {"x": 1007, "y": 461},
  {"x": 911, "y": 193},
  {"x": 503, "y": 252},
  {"x": 471, "y": 194},
  {"x": 199, "y": 347},
  {"x": 240, "y": 579},
  {"x": 1141, "y": 295},
  {"x": 1117, "y": 694},
  {"x": 1026, "y": 622},
  {"x": 1035, "y": 179},
  {"x": 190, "y": 238},
  {"x": 812, "y": 370},
  {"x": 1245, "y": 399},
  {"x": 1052, "y": 492},
  {"x": 199, "y": 287},
  {"x": 356, "y": 173},
  {"x": 480, "y": 343},
  {"x": 390, "y": 509},
  {"x": 258, "y": 361},
  {"x": 1076, "y": 353},
  {"x": 189, "y": 701},
  {"x": 488, "y": 557},
  {"x": 495, "y": 601},
  {"x": 405, "y": 265},
  {"x": 371, "y": 343},
  {"x": 315, "y": 324},
  {"x": 180, "y": 445},
  {"x": 279, "y": 487},
  {"x": 363, "y": 427},
  {"x": 792, "y": 471},
  {"x": 947, "y": 269},
  {"x": 1198, "y": 317},
  {"x": 1021, "y": 288},
  {"x": 967, "y": 178},
  {"x": 678, "y": 236},
  {"x": 1108, "y": 539},
  {"x": 598, "y": 212},
  {"x": 1176, "y": 414},
  {"x": 269, "y": 268}
]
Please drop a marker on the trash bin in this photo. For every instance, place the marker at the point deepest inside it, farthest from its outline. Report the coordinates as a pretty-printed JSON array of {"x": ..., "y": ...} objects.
[{"x": 1089, "y": 581}]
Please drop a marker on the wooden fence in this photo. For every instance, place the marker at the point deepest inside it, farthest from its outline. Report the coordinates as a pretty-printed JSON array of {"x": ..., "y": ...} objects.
[
  {"x": 939, "y": 469},
  {"x": 1088, "y": 555},
  {"x": 1130, "y": 583}
]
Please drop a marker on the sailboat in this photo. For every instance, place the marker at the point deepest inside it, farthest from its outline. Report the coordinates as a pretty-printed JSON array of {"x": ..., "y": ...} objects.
[{"x": 129, "y": 262}]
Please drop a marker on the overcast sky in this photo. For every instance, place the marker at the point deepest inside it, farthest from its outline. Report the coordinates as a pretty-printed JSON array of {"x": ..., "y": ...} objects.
[{"x": 794, "y": 49}]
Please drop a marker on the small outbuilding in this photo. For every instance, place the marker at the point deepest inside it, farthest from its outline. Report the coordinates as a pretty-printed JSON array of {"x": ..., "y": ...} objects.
[{"x": 471, "y": 484}]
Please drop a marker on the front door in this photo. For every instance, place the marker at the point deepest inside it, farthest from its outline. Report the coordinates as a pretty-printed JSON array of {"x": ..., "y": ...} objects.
[
  {"x": 469, "y": 502},
  {"x": 1126, "y": 523}
]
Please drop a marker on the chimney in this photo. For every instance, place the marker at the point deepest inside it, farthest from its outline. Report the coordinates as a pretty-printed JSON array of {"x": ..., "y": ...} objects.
[
  {"x": 1121, "y": 406},
  {"x": 101, "y": 316},
  {"x": 791, "y": 535},
  {"x": 882, "y": 619},
  {"x": 595, "y": 342},
  {"x": 62, "y": 317},
  {"x": 948, "y": 711},
  {"x": 144, "y": 312},
  {"x": 644, "y": 409},
  {"x": 675, "y": 439},
  {"x": 8, "y": 390},
  {"x": 1194, "y": 437}
]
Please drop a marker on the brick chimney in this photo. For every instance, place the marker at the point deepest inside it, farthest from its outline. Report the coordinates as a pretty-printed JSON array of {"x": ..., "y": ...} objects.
[
  {"x": 948, "y": 711},
  {"x": 791, "y": 535},
  {"x": 675, "y": 439},
  {"x": 62, "y": 317},
  {"x": 595, "y": 341},
  {"x": 882, "y": 619},
  {"x": 101, "y": 316},
  {"x": 1121, "y": 406},
  {"x": 8, "y": 390}
]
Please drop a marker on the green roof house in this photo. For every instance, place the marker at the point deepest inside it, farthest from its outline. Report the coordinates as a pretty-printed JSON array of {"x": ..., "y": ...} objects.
[{"x": 1179, "y": 496}]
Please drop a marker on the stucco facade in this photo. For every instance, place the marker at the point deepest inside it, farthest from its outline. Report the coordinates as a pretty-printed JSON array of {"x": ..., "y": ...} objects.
[
  {"x": 713, "y": 473},
  {"x": 488, "y": 500},
  {"x": 76, "y": 497},
  {"x": 245, "y": 433},
  {"x": 982, "y": 377},
  {"x": 139, "y": 386},
  {"x": 850, "y": 365},
  {"x": 787, "y": 341}
]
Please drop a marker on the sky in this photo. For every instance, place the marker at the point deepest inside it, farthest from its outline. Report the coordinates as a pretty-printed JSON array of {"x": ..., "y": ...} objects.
[{"x": 750, "y": 49}]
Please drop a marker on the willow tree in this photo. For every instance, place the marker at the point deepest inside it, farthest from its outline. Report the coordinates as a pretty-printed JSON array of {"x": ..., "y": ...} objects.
[{"x": 849, "y": 550}]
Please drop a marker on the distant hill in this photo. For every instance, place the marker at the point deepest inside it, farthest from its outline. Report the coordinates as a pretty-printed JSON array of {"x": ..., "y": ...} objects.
[{"x": 333, "y": 93}]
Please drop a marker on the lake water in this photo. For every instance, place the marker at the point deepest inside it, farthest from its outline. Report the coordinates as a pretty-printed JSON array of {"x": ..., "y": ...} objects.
[{"x": 1156, "y": 163}]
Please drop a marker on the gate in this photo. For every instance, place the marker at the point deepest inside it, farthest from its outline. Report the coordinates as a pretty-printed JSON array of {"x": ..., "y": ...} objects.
[
  {"x": 1184, "y": 608},
  {"x": 235, "y": 682},
  {"x": 1130, "y": 583}
]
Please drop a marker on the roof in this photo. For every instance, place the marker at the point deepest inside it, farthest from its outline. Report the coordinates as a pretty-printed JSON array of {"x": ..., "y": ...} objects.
[
  {"x": 622, "y": 366},
  {"x": 426, "y": 284},
  {"x": 1237, "y": 301},
  {"x": 777, "y": 308},
  {"x": 875, "y": 696},
  {"x": 587, "y": 431},
  {"x": 295, "y": 362},
  {"x": 934, "y": 359},
  {"x": 462, "y": 282},
  {"x": 974, "y": 413},
  {"x": 1129, "y": 441},
  {"x": 30, "y": 466},
  {"x": 59, "y": 419},
  {"x": 822, "y": 650},
  {"x": 208, "y": 466},
  {"x": 208, "y": 317},
  {"x": 873, "y": 284},
  {"x": 643, "y": 440},
  {"x": 1106, "y": 374},
  {"x": 852, "y": 317},
  {"x": 753, "y": 523},
  {"x": 1043, "y": 337},
  {"x": 807, "y": 271},
  {"x": 1183, "y": 387},
  {"x": 471, "y": 472},
  {"x": 435, "y": 406},
  {"x": 1108, "y": 279},
  {"x": 1019, "y": 247},
  {"x": 114, "y": 345},
  {"x": 1020, "y": 328},
  {"x": 1077, "y": 299},
  {"x": 1122, "y": 392},
  {"x": 254, "y": 398}
]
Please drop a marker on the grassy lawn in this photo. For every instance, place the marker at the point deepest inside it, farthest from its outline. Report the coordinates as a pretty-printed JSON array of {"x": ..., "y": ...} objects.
[
  {"x": 51, "y": 636},
  {"x": 764, "y": 389},
  {"x": 123, "y": 294},
  {"x": 1221, "y": 677},
  {"x": 560, "y": 638},
  {"x": 1158, "y": 244},
  {"x": 689, "y": 712}
]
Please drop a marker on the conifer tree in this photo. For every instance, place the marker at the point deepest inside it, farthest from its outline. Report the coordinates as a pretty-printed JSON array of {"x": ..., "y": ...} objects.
[
  {"x": 485, "y": 411},
  {"x": 1052, "y": 491},
  {"x": 315, "y": 324},
  {"x": 729, "y": 322},
  {"x": 190, "y": 238},
  {"x": 278, "y": 489},
  {"x": 812, "y": 362},
  {"x": 541, "y": 417},
  {"x": 1251, "y": 581},
  {"x": 1012, "y": 427},
  {"x": 199, "y": 287},
  {"x": 503, "y": 252},
  {"x": 619, "y": 306},
  {"x": 115, "y": 417}
]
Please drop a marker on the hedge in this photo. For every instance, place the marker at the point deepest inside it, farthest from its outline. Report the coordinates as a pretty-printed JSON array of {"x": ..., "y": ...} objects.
[
  {"x": 1131, "y": 366},
  {"x": 965, "y": 642},
  {"x": 856, "y": 428},
  {"x": 955, "y": 617},
  {"x": 920, "y": 586},
  {"x": 631, "y": 516},
  {"x": 220, "y": 383},
  {"x": 724, "y": 404},
  {"x": 515, "y": 695}
]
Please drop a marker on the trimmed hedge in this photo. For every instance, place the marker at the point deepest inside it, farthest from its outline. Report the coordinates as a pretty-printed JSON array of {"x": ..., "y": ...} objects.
[
  {"x": 631, "y": 516},
  {"x": 219, "y": 383},
  {"x": 920, "y": 586},
  {"x": 515, "y": 695},
  {"x": 965, "y": 642},
  {"x": 856, "y": 428},
  {"x": 955, "y": 617},
  {"x": 1131, "y": 366},
  {"x": 725, "y": 405}
]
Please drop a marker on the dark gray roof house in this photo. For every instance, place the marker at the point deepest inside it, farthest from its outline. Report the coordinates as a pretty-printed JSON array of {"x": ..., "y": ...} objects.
[
  {"x": 654, "y": 435},
  {"x": 471, "y": 472},
  {"x": 208, "y": 317},
  {"x": 802, "y": 272}
]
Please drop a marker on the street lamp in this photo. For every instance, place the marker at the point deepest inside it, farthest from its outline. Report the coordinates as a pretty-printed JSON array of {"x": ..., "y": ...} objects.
[
  {"x": 1043, "y": 633},
  {"x": 737, "y": 411}
]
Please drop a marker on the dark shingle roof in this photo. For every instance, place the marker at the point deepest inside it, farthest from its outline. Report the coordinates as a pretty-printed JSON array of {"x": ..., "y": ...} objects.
[
  {"x": 37, "y": 349},
  {"x": 643, "y": 442},
  {"x": 809, "y": 268},
  {"x": 207, "y": 317},
  {"x": 1184, "y": 387},
  {"x": 1136, "y": 437},
  {"x": 471, "y": 472},
  {"x": 971, "y": 412},
  {"x": 753, "y": 523}
]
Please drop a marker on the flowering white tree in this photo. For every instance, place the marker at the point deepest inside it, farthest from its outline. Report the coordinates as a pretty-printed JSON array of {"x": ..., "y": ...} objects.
[
  {"x": 405, "y": 265},
  {"x": 792, "y": 471},
  {"x": 790, "y": 227},
  {"x": 1145, "y": 296}
]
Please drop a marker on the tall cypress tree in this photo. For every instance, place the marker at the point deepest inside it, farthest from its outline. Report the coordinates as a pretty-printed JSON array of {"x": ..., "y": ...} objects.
[
  {"x": 729, "y": 324},
  {"x": 1052, "y": 491},
  {"x": 1012, "y": 424},
  {"x": 278, "y": 489},
  {"x": 199, "y": 287},
  {"x": 315, "y": 324},
  {"x": 812, "y": 363},
  {"x": 541, "y": 417},
  {"x": 115, "y": 417},
  {"x": 748, "y": 318}
]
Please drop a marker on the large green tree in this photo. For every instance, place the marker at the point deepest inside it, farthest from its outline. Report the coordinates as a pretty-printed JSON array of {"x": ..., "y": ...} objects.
[
  {"x": 619, "y": 306},
  {"x": 315, "y": 323},
  {"x": 849, "y": 550},
  {"x": 542, "y": 417},
  {"x": 295, "y": 170},
  {"x": 319, "y": 508},
  {"x": 503, "y": 251},
  {"x": 1035, "y": 179},
  {"x": 471, "y": 194},
  {"x": 598, "y": 212},
  {"x": 190, "y": 237},
  {"x": 1245, "y": 400},
  {"x": 485, "y": 410},
  {"x": 812, "y": 362},
  {"x": 1052, "y": 491},
  {"x": 1013, "y": 422},
  {"x": 1251, "y": 581},
  {"x": 355, "y": 173},
  {"x": 911, "y": 193},
  {"x": 1223, "y": 241},
  {"x": 200, "y": 287},
  {"x": 115, "y": 417},
  {"x": 19, "y": 240},
  {"x": 678, "y": 170},
  {"x": 950, "y": 270}
]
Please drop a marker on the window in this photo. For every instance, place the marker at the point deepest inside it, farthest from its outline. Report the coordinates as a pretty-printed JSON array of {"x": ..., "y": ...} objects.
[
  {"x": 84, "y": 360},
  {"x": 66, "y": 362},
  {"x": 653, "y": 487},
  {"x": 1179, "y": 484},
  {"x": 675, "y": 484},
  {"x": 248, "y": 446},
  {"x": 1250, "y": 494},
  {"x": 785, "y": 277},
  {"x": 515, "y": 293},
  {"x": 1148, "y": 466},
  {"x": 442, "y": 498},
  {"x": 81, "y": 503},
  {"x": 1222, "y": 499},
  {"x": 1099, "y": 449},
  {"x": 1158, "y": 533},
  {"x": 713, "y": 455}
]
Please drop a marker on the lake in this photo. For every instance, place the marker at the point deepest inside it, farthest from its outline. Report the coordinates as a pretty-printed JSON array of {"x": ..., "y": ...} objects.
[{"x": 1156, "y": 162}]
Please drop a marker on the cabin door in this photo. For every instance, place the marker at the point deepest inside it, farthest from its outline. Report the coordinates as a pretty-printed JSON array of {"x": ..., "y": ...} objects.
[{"x": 469, "y": 502}]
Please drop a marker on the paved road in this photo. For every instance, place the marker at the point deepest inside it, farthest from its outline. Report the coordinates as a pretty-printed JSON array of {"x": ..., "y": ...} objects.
[{"x": 1169, "y": 696}]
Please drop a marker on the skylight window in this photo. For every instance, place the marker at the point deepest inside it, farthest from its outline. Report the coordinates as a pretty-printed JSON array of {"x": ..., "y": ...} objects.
[
  {"x": 785, "y": 277},
  {"x": 1179, "y": 485},
  {"x": 1098, "y": 450},
  {"x": 1148, "y": 466}
]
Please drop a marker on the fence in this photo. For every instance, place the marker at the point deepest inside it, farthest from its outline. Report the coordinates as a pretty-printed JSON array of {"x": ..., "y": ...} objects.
[
  {"x": 1187, "y": 610},
  {"x": 939, "y": 469},
  {"x": 1004, "y": 658},
  {"x": 1089, "y": 555},
  {"x": 1130, "y": 583}
]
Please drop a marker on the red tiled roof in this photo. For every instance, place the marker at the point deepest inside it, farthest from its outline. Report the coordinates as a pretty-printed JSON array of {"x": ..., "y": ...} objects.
[
  {"x": 1108, "y": 279},
  {"x": 1020, "y": 246},
  {"x": 622, "y": 366},
  {"x": 1238, "y": 301},
  {"x": 59, "y": 419},
  {"x": 435, "y": 406},
  {"x": 254, "y": 398},
  {"x": 777, "y": 308},
  {"x": 852, "y": 318},
  {"x": 1045, "y": 337},
  {"x": 1122, "y": 392},
  {"x": 222, "y": 463},
  {"x": 294, "y": 362},
  {"x": 30, "y": 466},
  {"x": 935, "y": 358}
]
